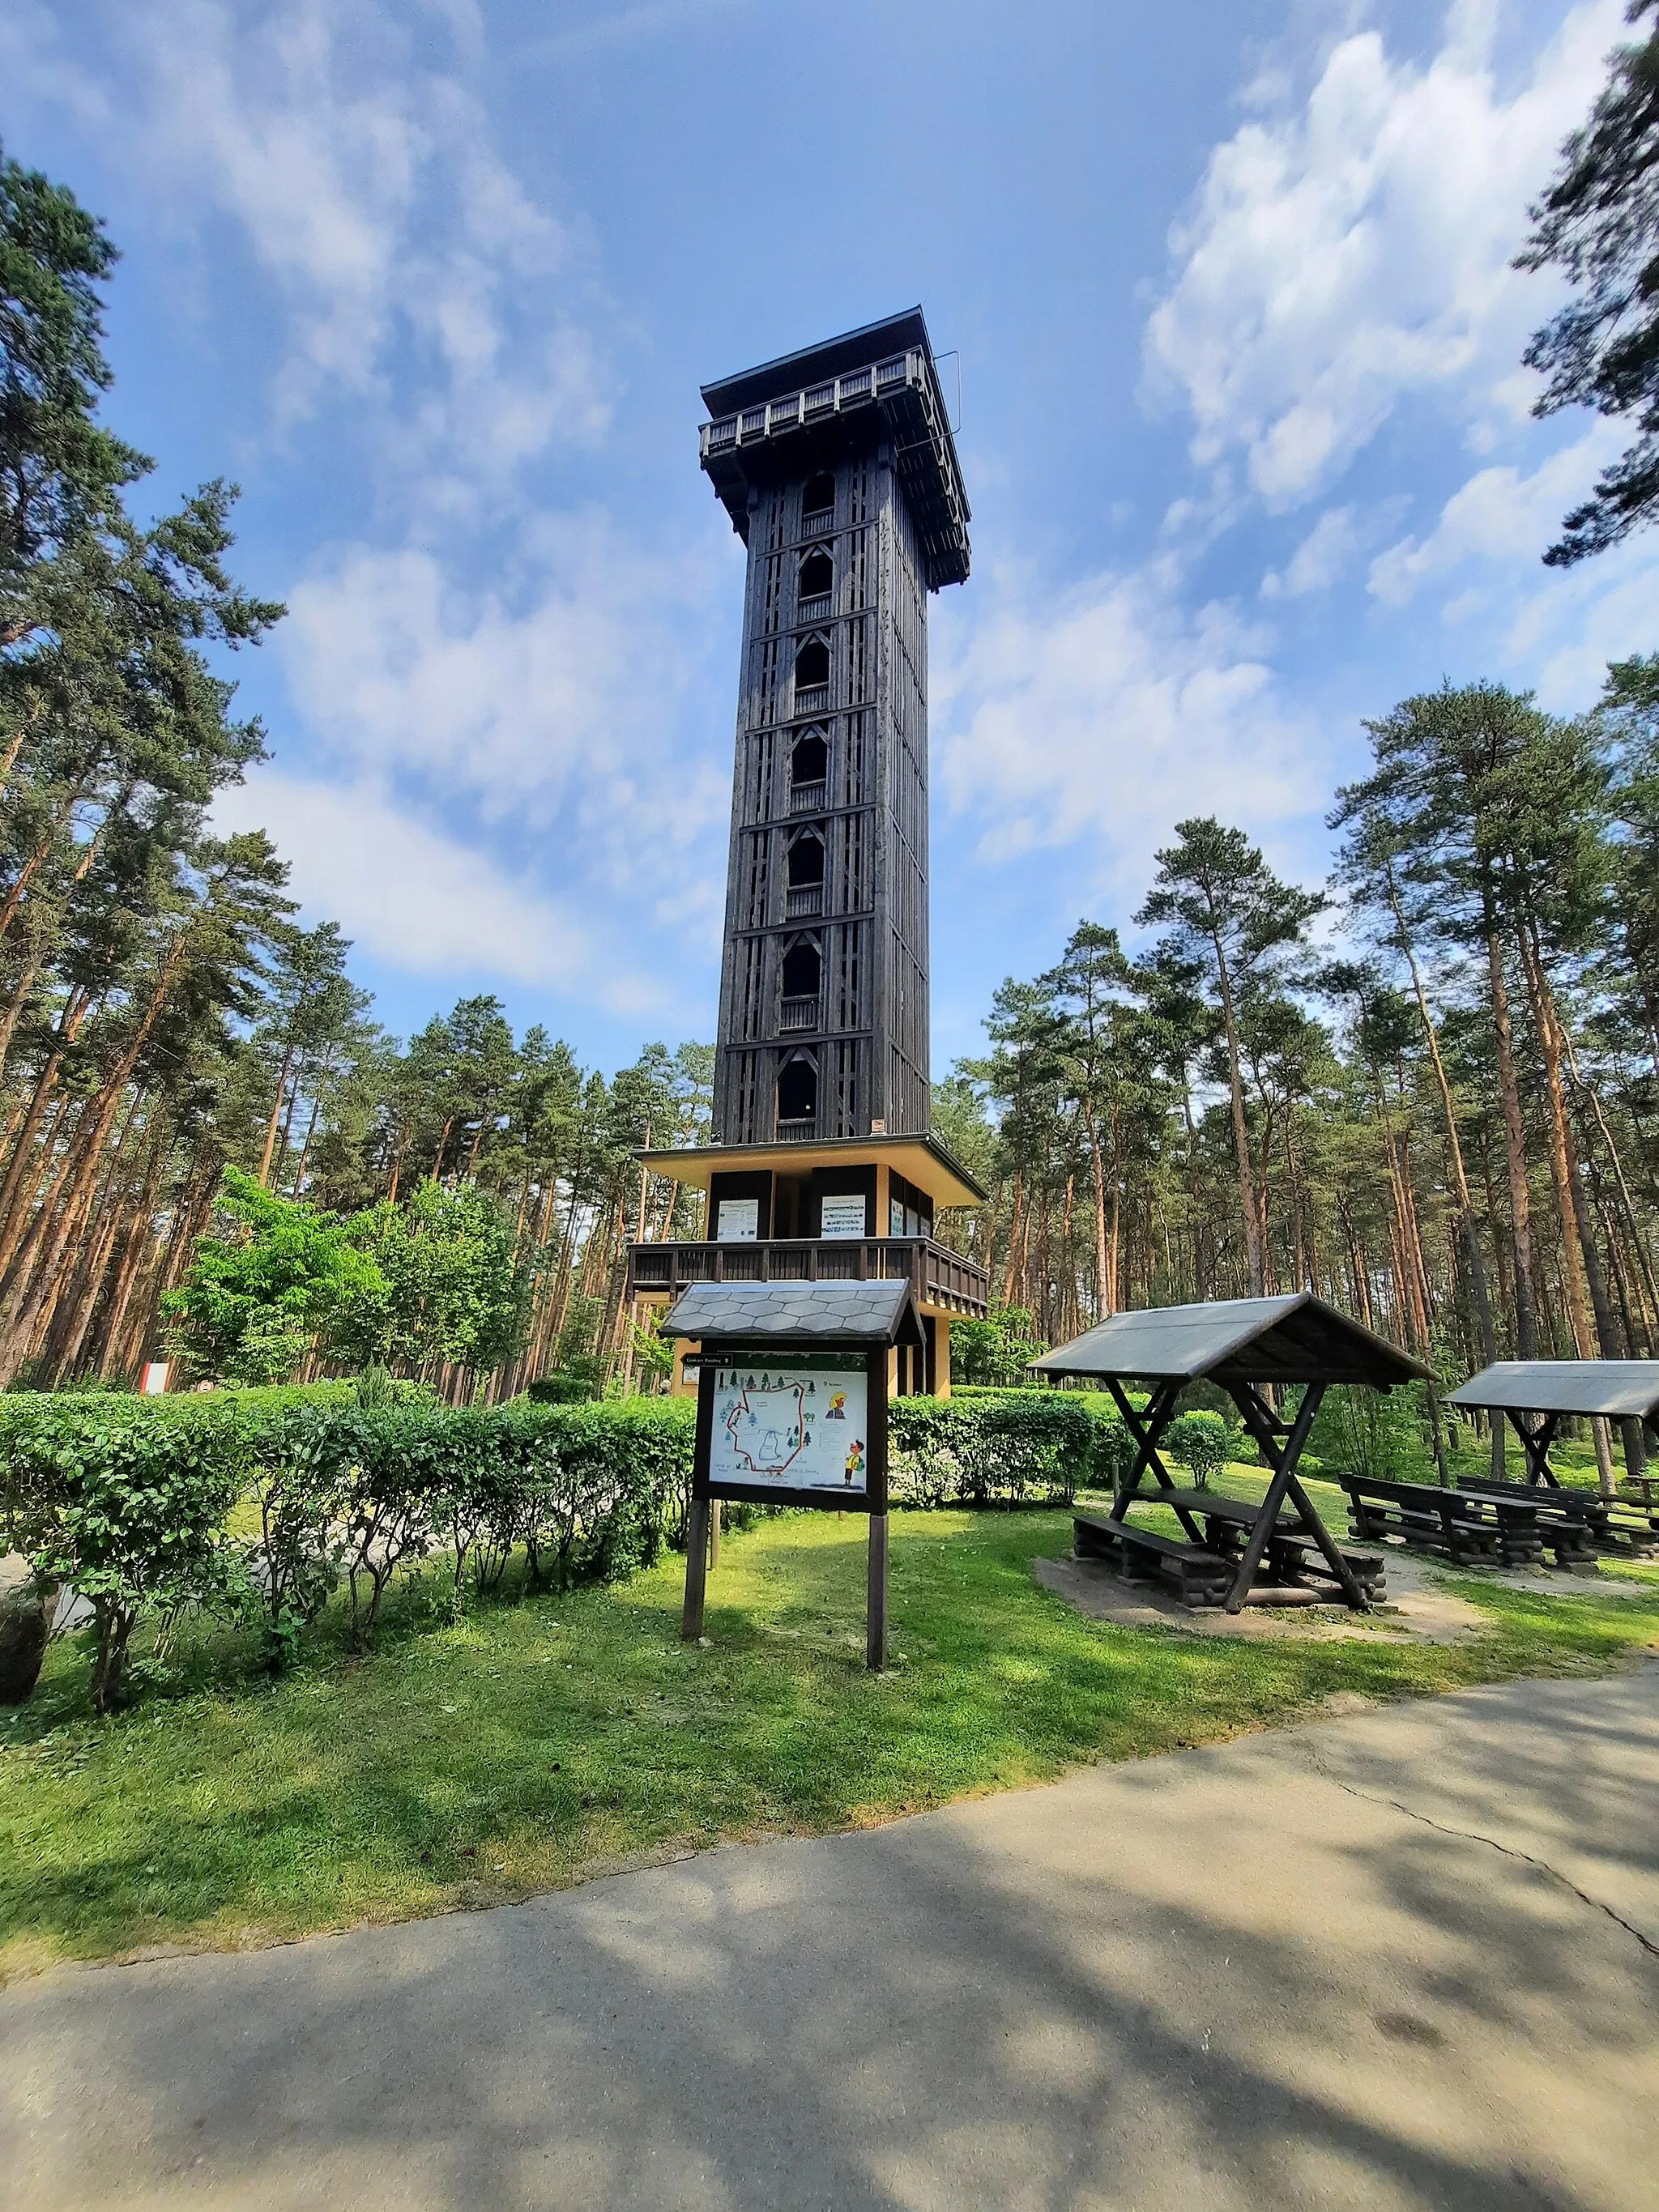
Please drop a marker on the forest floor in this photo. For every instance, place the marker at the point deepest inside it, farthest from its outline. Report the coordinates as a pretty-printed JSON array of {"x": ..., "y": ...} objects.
[{"x": 537, "y": 1744}]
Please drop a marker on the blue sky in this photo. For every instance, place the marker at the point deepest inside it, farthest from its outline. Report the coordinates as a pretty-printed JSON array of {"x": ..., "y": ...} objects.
[{"x": 1244, "y": 425}]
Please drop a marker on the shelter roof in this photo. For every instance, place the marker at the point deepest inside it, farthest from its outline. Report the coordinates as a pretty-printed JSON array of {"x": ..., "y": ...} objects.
[
  {"x": 1297, "y": 1339},
  {"x": 859, "y": 1316},
  {"x": 1617, "y": 1387},
  {"x": 921, "y": 1160}
]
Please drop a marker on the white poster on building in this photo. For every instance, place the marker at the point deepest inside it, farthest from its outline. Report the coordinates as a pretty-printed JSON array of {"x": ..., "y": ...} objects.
[
  {"x": 800, "y": 1428},
  {"x": 737, "y": 1221},
  {"x": 841, "y": 1217}
]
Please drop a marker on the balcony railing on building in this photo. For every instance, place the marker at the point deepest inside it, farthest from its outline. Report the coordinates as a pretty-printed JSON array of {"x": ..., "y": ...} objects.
[
  {"x": 811, "y": 699},
  {"x": 807, "y": 798},
  {"x": 940, "y": 1278},
  {"x": 815, "y": 609},
  {"x": 799, "y": 1013},
  {"x": 803, "y": 899}
]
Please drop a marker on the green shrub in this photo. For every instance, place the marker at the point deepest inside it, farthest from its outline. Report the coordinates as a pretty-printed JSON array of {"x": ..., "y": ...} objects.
[
  {"x": 989, "y": 1449},
  {"x": 133, "y": 1502},
  {"x": 995, "y": 1351},
  {"x": 126, "y": 1506},
  {"x": 1375, "y": 1433},
  {"x": 1200, "y": 1442}
]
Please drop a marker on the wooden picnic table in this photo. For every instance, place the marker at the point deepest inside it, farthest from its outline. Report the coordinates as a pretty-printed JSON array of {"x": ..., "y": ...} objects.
[
  {"x": 1470, "y": 1528},
  {"x": 1608, "y": 1524},
  {"x": 1253, "y": 1349}
]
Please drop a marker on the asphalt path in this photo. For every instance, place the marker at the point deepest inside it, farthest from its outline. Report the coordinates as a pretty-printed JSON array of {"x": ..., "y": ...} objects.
[{"x": 1407, "y": 1958}]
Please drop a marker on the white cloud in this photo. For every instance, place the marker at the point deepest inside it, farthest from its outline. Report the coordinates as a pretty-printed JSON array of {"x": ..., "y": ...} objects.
[
  {"x": 561, "y": 702},
  {"x": 1554, "y": 629},
  {"x": 367, "y": 190},
  {"x": 1111, "y": 716},
  {"x": 420, "y": 901},
  {"x": 520, "y": 675},
  {"x": 1330, "y": 550},
  {"x": 1502, "y": 514},
  {"x": 1343, "y": 256},
  {"x": 560, "y": 718}
]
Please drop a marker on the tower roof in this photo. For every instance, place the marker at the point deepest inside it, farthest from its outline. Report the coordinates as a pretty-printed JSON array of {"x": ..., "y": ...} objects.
[{"x": 877, "y": 385}]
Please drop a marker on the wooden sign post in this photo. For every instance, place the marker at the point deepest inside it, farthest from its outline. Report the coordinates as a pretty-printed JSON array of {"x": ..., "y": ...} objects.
[{"x": 779, "y": 1425}]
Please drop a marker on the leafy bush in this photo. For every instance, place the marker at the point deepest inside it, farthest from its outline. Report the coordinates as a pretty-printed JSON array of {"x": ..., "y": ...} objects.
[
  {"x": 994, "y": 1352},
  {"x": 257, "y": 1296},
  {"x": 431, "y": 1281},
  {"x": 134, "y": 1502},
  {"x": 989, "y": 1449},
  {"x": 1200, "y": 1442},
  {"x": 1375, "y": 1433},
  {"x": 576, "y": 1385},
  {"x": 126, "y": 1508}
]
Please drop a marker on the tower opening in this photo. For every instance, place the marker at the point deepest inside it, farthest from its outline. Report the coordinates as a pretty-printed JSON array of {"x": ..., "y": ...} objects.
[
  {"x": 817, "y": 575},
  {"x": 819, "y": 495},
  {"x": 803, "y": 970},
  {"x": 797, "y": 1094},
  {"x": 806, "y": 862},
  {"x": 812, "y": 666},
  {"x": 809, "y": 763}
]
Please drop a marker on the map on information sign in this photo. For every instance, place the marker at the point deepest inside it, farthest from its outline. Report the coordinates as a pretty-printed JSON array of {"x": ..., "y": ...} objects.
[{"x": 798, "y": 1428}]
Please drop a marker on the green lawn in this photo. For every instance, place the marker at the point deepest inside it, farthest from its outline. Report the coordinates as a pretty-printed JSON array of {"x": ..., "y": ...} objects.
[{"x": 540, "y": 1742}]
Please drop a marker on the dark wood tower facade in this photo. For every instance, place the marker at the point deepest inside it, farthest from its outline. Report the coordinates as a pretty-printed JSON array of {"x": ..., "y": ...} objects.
[{"x": 839, "y": 471}]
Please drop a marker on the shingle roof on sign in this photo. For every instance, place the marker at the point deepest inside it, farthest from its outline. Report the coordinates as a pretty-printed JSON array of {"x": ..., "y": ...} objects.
[
  {"x": 1298, "y": 1339},
  {"x": 857, "y": 1315},
  {"x": 1616, "y": 1386}
]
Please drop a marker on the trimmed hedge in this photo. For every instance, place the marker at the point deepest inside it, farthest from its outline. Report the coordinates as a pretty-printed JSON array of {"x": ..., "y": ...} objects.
[
  {"x": 262, "y": 1505},
  {"x": 1007, "y": 1447},
  {"x": 263, "y": 1509}
]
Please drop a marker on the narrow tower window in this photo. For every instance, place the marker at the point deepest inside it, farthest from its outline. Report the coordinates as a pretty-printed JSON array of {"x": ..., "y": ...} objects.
[
  {"x": 809, "y": 763},
  {"x": 798, "y": 1096},
  {"x": 806, "y": 862},
  {"x": 803, "y": 970},
  {"x": 817, "y": 575},
  {"x": 820, "y": 493},
  {"x": 812, "y": 666}
]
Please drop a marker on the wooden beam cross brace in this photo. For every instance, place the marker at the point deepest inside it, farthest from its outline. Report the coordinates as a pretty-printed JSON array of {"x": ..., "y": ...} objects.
[
  {"x": 1146, "y": 1428},
  {"x": 1536, "y": 1442},
  {"x": 1283, "y": 1458}
]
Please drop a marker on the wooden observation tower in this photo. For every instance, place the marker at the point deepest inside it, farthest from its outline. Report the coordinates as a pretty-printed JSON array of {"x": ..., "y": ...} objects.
[{"x": 837, "y": 467}]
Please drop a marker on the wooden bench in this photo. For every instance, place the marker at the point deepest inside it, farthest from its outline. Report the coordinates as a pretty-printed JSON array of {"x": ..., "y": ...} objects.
[
  {"x": 1574, "y": 1523},
  {"x": 1468, "y": 1529},
  {"x": 1292, "y": 1548},
  {"x": 1200, "y": 1578}
]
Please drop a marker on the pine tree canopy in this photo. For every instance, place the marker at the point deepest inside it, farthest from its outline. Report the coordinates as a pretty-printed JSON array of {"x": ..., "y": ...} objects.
[{"x": 1599, "y": 223}]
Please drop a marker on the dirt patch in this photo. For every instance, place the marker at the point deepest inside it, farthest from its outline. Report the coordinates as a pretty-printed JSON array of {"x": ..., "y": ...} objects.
[{"x": 1415, "y": 1609}]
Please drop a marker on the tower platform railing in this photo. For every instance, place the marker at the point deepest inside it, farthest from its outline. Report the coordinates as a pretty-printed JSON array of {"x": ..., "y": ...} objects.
[{"x": 940, "y": 1278}]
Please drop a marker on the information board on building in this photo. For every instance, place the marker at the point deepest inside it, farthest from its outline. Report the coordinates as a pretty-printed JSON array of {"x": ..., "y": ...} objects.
[
  {"x": 737, "y": 1221},
  {"x": 841, "y": 1217},
  {"x": 797, "y": 1425}
]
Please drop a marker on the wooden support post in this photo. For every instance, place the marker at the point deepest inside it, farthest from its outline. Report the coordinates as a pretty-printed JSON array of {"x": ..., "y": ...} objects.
[
  {"x": 1282, "y": 1459},
  {"x": 716, "y": 1515},
  {"x": 875, "y": 1433},
  {"x": 696, "y": 1569},
  {"x": 698, "y": 1516},
  {"x": 876, "y": 1618}
]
